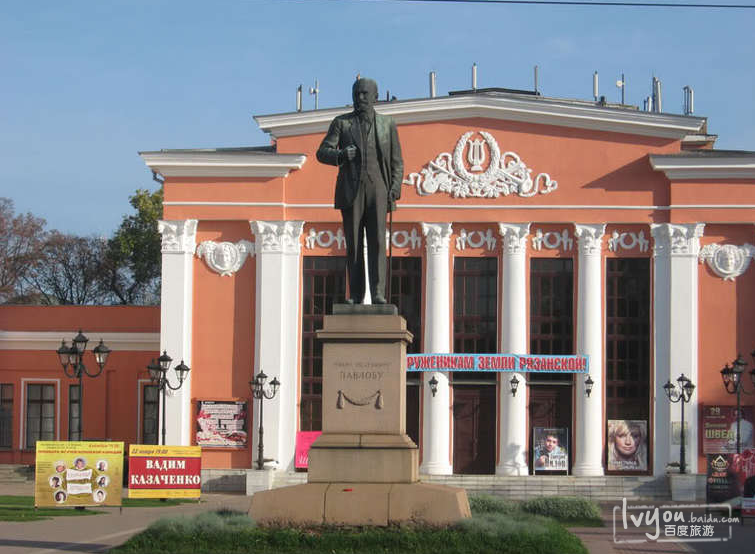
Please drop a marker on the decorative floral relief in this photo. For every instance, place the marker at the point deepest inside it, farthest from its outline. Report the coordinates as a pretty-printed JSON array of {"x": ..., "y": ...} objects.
[
  {"x": 483, "y": 238},
  {"x": 277, "y": 236},
  {"x": 325, "y": 239},
  {"x": 514, "y": 237},
  {"x": 728, "y": 261},
  {"x": 178, "y": 236},
  {"x": 401, "y": 239},
  {"x": 505, "y": 173},
  {"x": 437, "y": 236},
  {"x": 677, "y": 238},
  {"x": 552, "y": 240},
  {"x": 628, "y": 241},
  {"x": 225, "y": 258},
  {"x": 590, "y": 238}
]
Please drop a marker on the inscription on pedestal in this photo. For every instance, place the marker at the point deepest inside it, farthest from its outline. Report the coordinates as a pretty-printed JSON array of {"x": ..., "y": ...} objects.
[{"x": 361, "y": 390}]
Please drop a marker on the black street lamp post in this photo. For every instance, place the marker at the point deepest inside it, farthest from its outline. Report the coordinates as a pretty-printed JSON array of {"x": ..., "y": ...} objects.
[
  {"x": 72, "y": 360},
  {"x": 732, "y": 377},
  {"x": 158, "y": 372},
  {"x": 260, "y": 393},
  {"x": 680, "y": 393}
]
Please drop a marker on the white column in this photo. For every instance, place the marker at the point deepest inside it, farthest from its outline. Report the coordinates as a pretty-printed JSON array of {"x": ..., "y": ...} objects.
[
  {"x": 512, "y": 459},
  {"x": 436, "y": 410},
  {"x": 675, "y": 335},
  {"x": 276, "y": 334},
  {"x": 588, "y": 450},
  {"x": 178, "y": 246}
]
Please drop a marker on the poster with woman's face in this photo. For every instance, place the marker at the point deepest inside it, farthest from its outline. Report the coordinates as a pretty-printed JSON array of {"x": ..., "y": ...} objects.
[{"x": 627, "y": 445}]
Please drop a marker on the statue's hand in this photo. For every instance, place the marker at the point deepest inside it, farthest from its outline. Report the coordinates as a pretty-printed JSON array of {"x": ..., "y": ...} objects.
[
  {"x": 393, "y": 194},
  {"x": 349, "y": 153}
]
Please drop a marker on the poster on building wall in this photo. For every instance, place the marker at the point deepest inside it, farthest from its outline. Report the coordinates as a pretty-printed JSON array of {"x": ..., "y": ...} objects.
[
  {"x": 551, "y": 449},
  {"x": 731, "y": 476},
  {"x": 222, "y": 423},
  {"x": 78, "y": 473},
  {"x": 720, "y": 429},
  {"x": 627, "y": 445},
  {"x": 304, "y": 440},
  {"x": 164, "y": 471}
]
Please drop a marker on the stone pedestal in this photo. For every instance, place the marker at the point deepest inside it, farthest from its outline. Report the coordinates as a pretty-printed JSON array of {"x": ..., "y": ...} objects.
[{"x": 363, "y": 469}]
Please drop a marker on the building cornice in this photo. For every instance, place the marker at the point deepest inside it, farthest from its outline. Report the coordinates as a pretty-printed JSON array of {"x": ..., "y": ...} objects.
[
  {"x": 678, "y": 167},
  {"x": 208, "y": 163},
  {"x": 530, "y": 110},
  {"x": 50, "y": 340}
]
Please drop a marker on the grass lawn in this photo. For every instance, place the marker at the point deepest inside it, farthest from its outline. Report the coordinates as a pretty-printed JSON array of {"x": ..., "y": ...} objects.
[
  {"x": 21, "y": 508},
  {"x": 497, "y": 526}
]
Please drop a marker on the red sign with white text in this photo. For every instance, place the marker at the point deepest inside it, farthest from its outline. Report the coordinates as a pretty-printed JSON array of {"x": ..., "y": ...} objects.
[{"x": 164, "y": 471}]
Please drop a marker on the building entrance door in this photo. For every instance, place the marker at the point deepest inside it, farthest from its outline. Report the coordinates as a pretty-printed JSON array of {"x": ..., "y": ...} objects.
[
  {"x": 474, "y": 429},
  {"x": 550, "y": 406}
]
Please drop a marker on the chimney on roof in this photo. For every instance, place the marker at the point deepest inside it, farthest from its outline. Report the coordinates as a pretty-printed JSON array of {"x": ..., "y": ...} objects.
[
  {"x": 474, "y": 76},
  {"x": 595, "y": 86},
  {"x": 657, "y": 101},
  {"x": 433, "y": 90},
  {"x": 689, "y": 100}
]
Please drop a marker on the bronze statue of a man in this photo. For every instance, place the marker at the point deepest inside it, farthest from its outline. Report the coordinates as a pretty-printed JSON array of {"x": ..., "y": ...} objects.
[{"x": 364, "y": 145}]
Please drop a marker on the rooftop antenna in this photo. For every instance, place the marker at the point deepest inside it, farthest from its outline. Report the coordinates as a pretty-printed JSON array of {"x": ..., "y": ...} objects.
[
  {"x": 622, "y": 85},
  {"x": 536, "y": 90},
  {"x": 689, "y": 100},
  {"x": 474, "y": 76},
  {"x": 433, "y": 90},
  {"x": 316, "y": 91},
  {"x": 298, "y": 98},
  {"x": 595, "y": 86}
]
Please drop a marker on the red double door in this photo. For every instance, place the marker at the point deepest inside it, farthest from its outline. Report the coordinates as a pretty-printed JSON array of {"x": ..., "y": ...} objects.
[{"x": 474, "y": 422}]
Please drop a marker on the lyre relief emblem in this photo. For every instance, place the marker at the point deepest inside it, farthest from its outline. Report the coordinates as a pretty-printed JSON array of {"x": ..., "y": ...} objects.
[{"x": 476, "y": 154}]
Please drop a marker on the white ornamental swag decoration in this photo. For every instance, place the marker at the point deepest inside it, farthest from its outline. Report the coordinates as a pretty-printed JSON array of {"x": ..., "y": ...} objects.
[
  {"x": 225, "y": 258},
  {"x": 728, "y": 261},
  {"x": 505, "y": 173}
]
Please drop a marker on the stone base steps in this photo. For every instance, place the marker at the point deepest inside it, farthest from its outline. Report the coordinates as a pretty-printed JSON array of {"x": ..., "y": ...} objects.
[
  {"x": 16, "y": 473},
  {"x": 600, "y": 489},
  {"x": 596, "y": 488}
]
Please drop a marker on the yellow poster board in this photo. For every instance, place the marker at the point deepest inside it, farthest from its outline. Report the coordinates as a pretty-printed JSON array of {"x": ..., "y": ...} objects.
[
  {"x": 80, "y": 473},
  {"x": 164, "y": 471}
]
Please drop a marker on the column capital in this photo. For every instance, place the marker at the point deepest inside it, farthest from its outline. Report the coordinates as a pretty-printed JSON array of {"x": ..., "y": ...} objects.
[
  {"x": 178, "y": 236},
  {"x": 277, "y": 236},
  {"x": 676, "y": 239},
  {"x": 437, "y": 237},
  {"x": 589, "y": 238},
  {"x": 514, "y": 237}
]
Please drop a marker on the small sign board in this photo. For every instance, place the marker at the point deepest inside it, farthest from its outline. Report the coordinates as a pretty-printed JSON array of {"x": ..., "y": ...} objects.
[
  {"x": 304, "y": 440},
  {"x": 551, "y": 449},
  {"x": 222, "y": 423},
  {"x": 78, "y": 473},
  {"x": 164, "y": 471},
  {"x": 720, "y": 429}
]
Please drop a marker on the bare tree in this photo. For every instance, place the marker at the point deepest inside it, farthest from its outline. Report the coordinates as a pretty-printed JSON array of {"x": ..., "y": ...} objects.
[
  {"x": 68, "y": 271},
  {"x": 22, "y": 238}
]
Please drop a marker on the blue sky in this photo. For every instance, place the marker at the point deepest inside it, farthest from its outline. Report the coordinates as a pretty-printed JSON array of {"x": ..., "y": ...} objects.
[{"x": 87, "y": 84}]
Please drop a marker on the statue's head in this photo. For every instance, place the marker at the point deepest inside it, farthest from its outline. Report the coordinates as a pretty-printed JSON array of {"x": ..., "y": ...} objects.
[{"x": 364, "y": 92}]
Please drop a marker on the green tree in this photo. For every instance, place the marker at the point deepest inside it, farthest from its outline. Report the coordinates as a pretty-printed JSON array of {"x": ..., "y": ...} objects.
[{"x": 132, "y": 264}]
